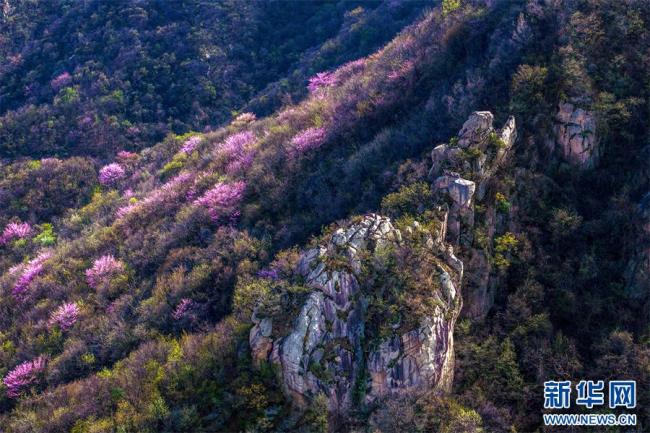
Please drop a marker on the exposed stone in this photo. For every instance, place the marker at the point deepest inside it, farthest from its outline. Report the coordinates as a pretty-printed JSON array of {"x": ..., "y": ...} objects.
[
  {"x": 575, "y": 135},
  {"x": 476, "y": 129},
  {"x": 323, "y": 353},
  {"x": 485, "y": 149}
]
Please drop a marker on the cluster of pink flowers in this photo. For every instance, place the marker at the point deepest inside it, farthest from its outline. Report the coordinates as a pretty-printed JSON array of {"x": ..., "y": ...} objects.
[
  {"x": 309, "y": 139},
  {"x": 15, "y": 231},
  {"x": 29, "y": 272},
  {"x": 102, "y": 270},
  {"x": 237, "y": 150},
  {"x": 222, "y": 201},
  {"x": 190, "y": 144},
  {"x": 61, "y": 80},
  {"x": 320, "y": 81},
  {"x": 24, "y": 375},
  {"x": 110, "y": 174},
  {"x": 65, "y": 316},
  {"x": 244, "y": 119},
  {"x": 125, "y": 156},
  {"x": 167, "y": 193},
  {"x": 182, "y": 309}
]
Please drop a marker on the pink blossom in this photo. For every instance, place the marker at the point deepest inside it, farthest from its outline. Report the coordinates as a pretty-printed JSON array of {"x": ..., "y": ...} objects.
[
  {"x": 61, "y": 80},
  {"x": 190, "y": 144},
  {"x": 237, "y": 151},
  {"x": 126, "y": 156},
  {"x": 320, "y": 81},
  {"x": 65, "y": 316},
  {"x": 307, "y": 140},
  {"x": 29, "y": 272},
  {"x": 110, "y": 174},
  {"x": 15, "y": 231},
  {"x": 244, "y": 119},
  {"x": 167, "y": 193},
  {"x": 24, "y": 375},
  {"x": 222, "y": 200},
  {"x": 126, "y": 210},
  {"x": 182, "y": 309},
  {"x": 104, "y": 268}
]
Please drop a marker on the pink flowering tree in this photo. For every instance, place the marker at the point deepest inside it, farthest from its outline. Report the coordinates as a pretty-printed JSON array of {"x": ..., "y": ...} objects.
[
  {"x": 183, "y": 310},
  {"x": 28, "y": 273},
  {"x": 320, "y": 81},
  {"x": 111, "y": 174},
  {"x": 14, "y": 231},
  {"x": 244, "y": 119},
  {"x": 307, "y": 140},
  {"x": 168, "y": 195},
  {"x": 104, "y": 269},
  {"x": 223, "y": 200},
  {"x": 23, "y": 376},
  {"x": 237, "y": 151},
  {"x": 65, "y": 316},
  {"x": 61, "y": 81},
  {"x": 190, "y": 144}
]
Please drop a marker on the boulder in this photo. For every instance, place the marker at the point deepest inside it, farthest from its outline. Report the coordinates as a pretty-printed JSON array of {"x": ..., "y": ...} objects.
[
  {"x": 324, "y": 352},
  {"x": 575, "y": 135},
  {"x": 476, "y": 129}
]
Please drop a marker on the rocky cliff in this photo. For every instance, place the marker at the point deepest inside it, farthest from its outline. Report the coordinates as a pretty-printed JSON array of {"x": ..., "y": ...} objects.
[
  {"x": 462, "y": 172},
  {"x": 338, "y": 345},
  {"x": 575, "y": 135},
  {"x": 381, "y": 301}
]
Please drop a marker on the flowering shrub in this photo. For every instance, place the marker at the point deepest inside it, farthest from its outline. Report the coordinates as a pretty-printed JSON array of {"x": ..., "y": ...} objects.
[
  {"x": 15, "y": 231},
  {"x": 65, "y": 316},
  {"x": 103, "y": 270},
  {"x": 168, "y": 193},
  {"x": 111, "y": 174},
  {"x": 61, "y": 81},
  {"x": 237, "y": 151},
  {"x": 29, "y": 272},
  {"x": 309, "y": 139},
  {"x": 321, "y": 80},
  {"x": 244, "y": 119},
  {"x": 24, "y": 375},
  {"x": 125, "y": 157},
  {"x": 183, "y": 309},
  {"x": 222, "y": 200},
  {"x": 190, "y": 144}
]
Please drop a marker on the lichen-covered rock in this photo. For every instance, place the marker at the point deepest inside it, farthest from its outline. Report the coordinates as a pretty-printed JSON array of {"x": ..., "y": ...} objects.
[
  {"x": 575, "y": 135},
  {"x": 329, "y": 347}
]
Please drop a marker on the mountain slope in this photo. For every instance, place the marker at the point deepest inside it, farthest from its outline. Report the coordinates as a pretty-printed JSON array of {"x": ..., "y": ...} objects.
[{"x": 143, "y": 291}]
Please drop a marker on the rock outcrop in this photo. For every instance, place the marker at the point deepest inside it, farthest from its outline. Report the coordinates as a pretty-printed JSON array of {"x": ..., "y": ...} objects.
[
  {"x": 461, "y": 171},
  {"x": 575, "y": 135},
  {"x": 331, "y": 349}
]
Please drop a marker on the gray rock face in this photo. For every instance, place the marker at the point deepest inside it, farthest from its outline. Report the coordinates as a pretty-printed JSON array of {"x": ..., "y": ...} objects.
[
  {"x": 575, "y": 135},
  {"x": 476, "y": 129},
  {"x": 460, "y": 190},
  {"x": 480, "y": 151},
  {"x": 324, "y": 351}
]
